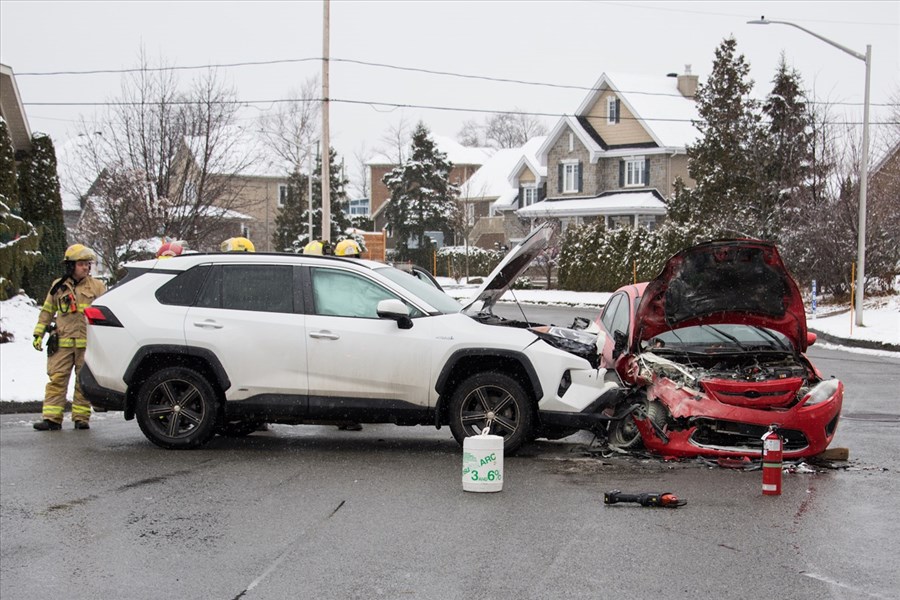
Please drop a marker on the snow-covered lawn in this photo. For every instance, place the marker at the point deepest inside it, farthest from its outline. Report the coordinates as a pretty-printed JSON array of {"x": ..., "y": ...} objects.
[{"x": 23, "y": 370}]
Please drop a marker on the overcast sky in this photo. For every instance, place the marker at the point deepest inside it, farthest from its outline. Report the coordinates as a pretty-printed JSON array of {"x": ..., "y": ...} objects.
[{"x": 551, "y": 42}]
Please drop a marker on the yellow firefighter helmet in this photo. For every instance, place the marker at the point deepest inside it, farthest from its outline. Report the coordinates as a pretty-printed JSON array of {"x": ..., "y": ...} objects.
[
  {"x": 237, "y": 244},
  {"x": 314, "y": 247},
  {"x": 347, "y": 247},
  {"x": 77, "y": 252}
]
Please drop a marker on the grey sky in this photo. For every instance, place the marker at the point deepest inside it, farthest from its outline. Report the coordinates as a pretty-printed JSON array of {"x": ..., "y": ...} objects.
[{"x": 562, "y": 43}]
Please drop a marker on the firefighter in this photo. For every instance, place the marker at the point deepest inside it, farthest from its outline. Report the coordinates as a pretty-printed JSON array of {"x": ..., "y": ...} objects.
[
  {"x": 237, "y": 244},
  {"x": 66, "y": 301},
  {"x": 348, "y": 248}
]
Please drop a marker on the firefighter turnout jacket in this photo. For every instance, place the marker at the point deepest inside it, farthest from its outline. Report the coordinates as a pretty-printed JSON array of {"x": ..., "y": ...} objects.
[{"x": 67, "y": 306}]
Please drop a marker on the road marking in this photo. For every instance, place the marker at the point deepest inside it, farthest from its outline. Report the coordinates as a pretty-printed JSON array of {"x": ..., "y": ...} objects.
[{"x": 825, "y": 579}]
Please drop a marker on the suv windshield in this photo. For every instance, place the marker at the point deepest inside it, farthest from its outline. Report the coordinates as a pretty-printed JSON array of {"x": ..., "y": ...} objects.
[{"x": 414, "y": 285}]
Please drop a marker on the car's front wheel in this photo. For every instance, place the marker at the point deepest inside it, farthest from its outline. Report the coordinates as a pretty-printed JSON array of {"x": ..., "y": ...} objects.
[
  {"x": 176, "y": 408},
  {"x": 493, "y": 401}
]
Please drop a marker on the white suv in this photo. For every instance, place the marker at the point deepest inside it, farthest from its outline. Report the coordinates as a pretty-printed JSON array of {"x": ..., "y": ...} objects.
[{"x": 201, "y": 344}]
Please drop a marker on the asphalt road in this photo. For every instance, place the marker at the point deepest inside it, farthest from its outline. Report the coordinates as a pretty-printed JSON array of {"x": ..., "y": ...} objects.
[{"x": 314, "y": 512}]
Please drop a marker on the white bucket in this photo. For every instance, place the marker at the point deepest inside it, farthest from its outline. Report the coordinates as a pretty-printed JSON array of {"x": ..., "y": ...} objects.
[{"x": 482, "y": 469}]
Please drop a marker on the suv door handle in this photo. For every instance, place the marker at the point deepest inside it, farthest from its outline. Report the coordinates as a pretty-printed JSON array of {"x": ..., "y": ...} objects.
[
  {"x": 324, "y": 335},
  {"x": 207, "y": 324}
]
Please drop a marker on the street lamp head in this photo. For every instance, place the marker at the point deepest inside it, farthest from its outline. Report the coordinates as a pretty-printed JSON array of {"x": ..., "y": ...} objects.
[{"x": 759, "y": 21}]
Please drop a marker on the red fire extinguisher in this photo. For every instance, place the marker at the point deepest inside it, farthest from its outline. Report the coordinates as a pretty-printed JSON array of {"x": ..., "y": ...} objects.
[{"x": 771, "y": 462}]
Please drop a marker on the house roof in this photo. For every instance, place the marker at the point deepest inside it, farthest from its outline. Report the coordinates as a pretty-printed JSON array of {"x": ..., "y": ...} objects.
[
  {"x": 645, "y": 202},
  {"x": 498, "y": 178},
  {"x": 664, "y": 112},
  {"x": 12, "y": 111},
  {"x": 655, "y": 101},
  {"x": 456, "y": 153}
]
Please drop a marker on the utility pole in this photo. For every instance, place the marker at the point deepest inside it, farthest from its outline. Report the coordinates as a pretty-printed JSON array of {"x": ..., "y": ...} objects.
[{"x": 326, "y": 143}]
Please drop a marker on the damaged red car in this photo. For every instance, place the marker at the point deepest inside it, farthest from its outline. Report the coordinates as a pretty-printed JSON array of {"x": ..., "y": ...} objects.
[{"x": 713, "y": 351}]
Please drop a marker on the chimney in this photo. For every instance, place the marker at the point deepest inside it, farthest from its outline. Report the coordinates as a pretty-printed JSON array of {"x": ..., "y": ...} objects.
[{"x": 687, "y": 83}]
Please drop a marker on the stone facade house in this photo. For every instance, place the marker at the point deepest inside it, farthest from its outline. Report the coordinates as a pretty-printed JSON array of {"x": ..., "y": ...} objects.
[{"x": 618, "y": 156}]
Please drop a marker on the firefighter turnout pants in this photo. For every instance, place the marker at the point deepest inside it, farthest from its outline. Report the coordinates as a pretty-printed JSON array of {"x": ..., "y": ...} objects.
[{"x": 59, "y": 369}]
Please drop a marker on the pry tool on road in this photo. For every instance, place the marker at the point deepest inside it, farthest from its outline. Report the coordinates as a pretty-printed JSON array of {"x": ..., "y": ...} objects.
[{"x": 665, "y": 500}]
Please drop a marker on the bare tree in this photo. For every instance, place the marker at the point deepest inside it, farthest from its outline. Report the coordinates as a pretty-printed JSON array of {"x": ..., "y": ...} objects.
[
  {"x": 397, "y": 140},
  {"x": 181, "y": 144},
  {"x": 292, "y": 130},
  {"x": 359, "y": 177},
  {"x": 470, "y": 134},
  {"x": 501, "y": 130}
]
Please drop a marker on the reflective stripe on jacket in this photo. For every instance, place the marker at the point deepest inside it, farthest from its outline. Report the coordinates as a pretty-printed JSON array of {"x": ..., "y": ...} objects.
[{"x": 67, "y": 307}]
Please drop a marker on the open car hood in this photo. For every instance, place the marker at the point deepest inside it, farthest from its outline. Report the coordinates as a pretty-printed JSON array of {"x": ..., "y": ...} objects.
[
  {"x": 509, "y": 269},
  {"x": 728, "y": 281}
]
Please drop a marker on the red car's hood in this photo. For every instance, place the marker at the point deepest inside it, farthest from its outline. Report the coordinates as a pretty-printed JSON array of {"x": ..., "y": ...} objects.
[{"x": 728, "y": 281}]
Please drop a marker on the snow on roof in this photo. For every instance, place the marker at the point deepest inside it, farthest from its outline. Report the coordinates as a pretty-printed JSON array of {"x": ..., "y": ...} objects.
[
  {"x": 647, "y": 203},
  {"x": 75, "y": 171},
  {"x": 456, "y": 153},
  {"x": 491, "y": 180},
  {"x": 497, "y": 179},
  {"x": 656, "y": 100}
]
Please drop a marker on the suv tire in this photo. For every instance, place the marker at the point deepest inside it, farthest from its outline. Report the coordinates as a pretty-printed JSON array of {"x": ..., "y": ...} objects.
[
  {"x": 176, "y": 409},
  {"x": 492, "y": 394}
]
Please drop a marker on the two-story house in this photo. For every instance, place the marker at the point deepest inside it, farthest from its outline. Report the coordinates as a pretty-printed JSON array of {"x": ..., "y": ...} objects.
[{"x": 618, "y": 156}]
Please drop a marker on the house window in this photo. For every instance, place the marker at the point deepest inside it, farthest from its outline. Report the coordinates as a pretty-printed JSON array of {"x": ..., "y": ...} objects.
[
  {"x": 529, "y": 195},
  {"x": 634, "y": 172},
  {"x": 612, "y": 110},
  {"x": 571, "y": 172},
  {"x": 470, "y": 214},
  {"x": 648, "y": 222},
  {"x": 358, "y": 208},
  {"x": 619, "y": 221},
  {"x": 282, "y": 194},
  {"x": 245, "y": 231}
]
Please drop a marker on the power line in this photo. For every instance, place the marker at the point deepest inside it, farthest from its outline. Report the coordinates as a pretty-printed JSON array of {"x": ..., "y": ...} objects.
[
  {"x": 392, "y": 105},
  {"x": 377, "y": 65}
]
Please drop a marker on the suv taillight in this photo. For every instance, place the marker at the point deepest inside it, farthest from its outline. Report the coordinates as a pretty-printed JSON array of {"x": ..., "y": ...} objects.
[{"x": 102, "y": 316}]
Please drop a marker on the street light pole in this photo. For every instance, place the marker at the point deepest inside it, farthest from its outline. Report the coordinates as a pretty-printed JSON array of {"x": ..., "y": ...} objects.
[{"x": 864, "y": 165}]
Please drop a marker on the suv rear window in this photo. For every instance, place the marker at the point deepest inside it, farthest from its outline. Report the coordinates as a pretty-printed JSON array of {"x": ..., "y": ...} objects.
[
  {"x": 261, "y": 288},
  {"x": 183, "y": 289}
]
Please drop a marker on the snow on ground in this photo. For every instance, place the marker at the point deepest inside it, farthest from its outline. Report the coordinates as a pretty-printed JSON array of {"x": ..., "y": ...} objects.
[{"x": 23, "y": 373}]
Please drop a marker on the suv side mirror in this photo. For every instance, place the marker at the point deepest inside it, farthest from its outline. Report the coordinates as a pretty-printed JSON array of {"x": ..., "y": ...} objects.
[{"x": 396, "y": 310}]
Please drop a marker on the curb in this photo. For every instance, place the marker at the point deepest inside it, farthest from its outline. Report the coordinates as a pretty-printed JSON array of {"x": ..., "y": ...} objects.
[{"x": 869, "y": 344}]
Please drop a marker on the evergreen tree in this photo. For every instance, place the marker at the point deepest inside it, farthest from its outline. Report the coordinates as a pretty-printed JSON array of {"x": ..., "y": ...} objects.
[
  {"x": 289, "y": 224},
  {"x": 724, "y": 161},
  {"x": 19, "y": 239},
  {"x": 422, "y": 197},
  {"x": 42, "y": 205},
  {"x": 338, "y": 193},
  {"x": 787, "y": 155}
]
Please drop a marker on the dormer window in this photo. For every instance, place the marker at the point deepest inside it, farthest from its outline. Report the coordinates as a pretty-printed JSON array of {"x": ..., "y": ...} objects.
[
  {"x": 529, "y": 194},
  {"x": 612, "y": 110}
]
